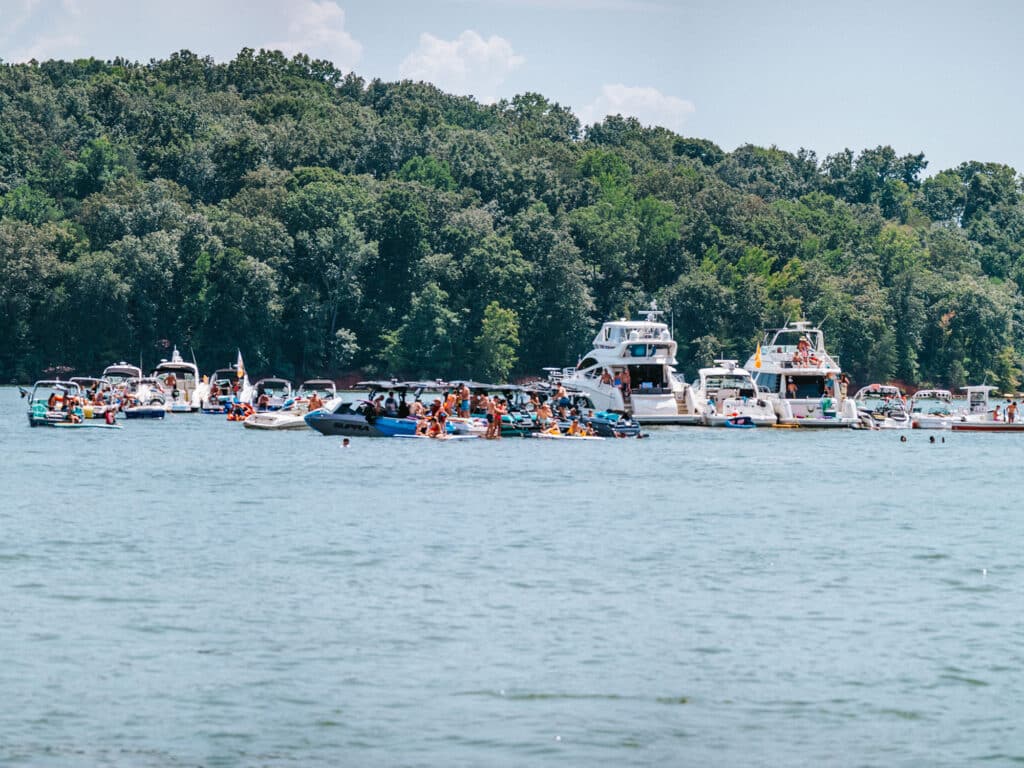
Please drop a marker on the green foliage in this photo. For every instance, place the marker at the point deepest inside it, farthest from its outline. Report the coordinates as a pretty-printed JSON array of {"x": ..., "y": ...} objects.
[
  {"x": 321, "y": 222},
  {"x": 498, "y": 342},
  {"x": 425, "y": 341}
]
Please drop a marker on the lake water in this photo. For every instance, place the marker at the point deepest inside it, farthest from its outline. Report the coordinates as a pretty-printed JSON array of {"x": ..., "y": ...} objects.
[{"x": 193, "y": 593}]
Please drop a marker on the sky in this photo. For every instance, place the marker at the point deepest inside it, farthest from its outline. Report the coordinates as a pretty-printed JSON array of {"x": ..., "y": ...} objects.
[{"x": 931, "y": 76}]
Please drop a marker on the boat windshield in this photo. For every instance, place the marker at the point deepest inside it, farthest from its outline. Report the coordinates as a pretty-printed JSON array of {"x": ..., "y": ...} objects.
[
  {"x": 939, "y": 406},
  {"x": 787, "y": 340},
  {"x": 715, "y": 382}
]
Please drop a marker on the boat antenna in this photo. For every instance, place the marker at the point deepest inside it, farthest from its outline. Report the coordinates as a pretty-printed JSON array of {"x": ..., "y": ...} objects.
[{"x": 190, "y": 349}]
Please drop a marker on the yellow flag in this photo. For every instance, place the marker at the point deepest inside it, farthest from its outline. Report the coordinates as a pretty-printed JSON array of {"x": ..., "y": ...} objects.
[{"x": 757, "y": 357}]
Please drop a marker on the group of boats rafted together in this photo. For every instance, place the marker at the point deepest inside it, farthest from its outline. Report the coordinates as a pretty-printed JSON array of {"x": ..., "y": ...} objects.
[{"x": 628, "y": 379}]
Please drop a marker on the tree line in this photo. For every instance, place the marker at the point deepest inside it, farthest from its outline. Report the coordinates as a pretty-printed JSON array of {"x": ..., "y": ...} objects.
[{"x": 322, "y": 223}]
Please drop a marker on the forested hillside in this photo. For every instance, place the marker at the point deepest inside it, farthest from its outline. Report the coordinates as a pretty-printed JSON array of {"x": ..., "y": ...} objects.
[{"x": 321, "y": 223}]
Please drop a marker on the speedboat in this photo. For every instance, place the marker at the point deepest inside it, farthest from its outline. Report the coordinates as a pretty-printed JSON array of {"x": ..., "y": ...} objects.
[
  {"x": 53, "y": 401},
  {"x": 323, "y": 388},
  {"x": 97, "y": 396},
  {"x": 359, "y": 418},
  {"x": 225, "y": 386},
  {"x": 727, "y": 393},
  {"x": 143, "y": 398},
  {"x": 643, "y": 349},
  {"x": 118, "y": 375},
  {"x": 981, "y": 416},
  {"x": 882, "y": 406},
  {"x": 293, "y": 416},
  {"x": 272, "y": 394},
  {"x": 56, "y": 403},
  {"x": 800, "y": 378},
  {"x": 180, "y": 379},
  {"x": 932, "y": 409}
]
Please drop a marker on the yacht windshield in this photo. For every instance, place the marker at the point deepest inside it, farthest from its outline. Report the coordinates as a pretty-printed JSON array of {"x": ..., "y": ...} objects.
[{"x": 727, "y": 381}]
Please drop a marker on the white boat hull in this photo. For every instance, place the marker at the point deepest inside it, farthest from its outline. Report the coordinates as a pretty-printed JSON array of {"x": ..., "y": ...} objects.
[
  {"x": 808, "y": 413},
  {"x": 276, "y": 421},
  {"x": 933, "y": 422}
]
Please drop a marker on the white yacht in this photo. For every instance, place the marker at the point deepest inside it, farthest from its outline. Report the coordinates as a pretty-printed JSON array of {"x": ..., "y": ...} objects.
[
  {"x": 645, "y": 349},
  {"x": 932, "y": 409},
  {"x": 728, "y": 392},
  {"x": 180, "y": 379},
  {"x": 882, "y": 406},
  {"x": 801, "y": 378}
]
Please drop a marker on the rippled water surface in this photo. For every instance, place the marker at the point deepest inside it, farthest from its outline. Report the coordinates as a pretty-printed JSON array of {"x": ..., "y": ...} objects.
[{"x": 193, "y": 593}]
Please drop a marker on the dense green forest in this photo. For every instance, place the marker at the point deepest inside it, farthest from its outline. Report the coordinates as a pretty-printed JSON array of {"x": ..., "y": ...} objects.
[{"x": 323, "y": 224}]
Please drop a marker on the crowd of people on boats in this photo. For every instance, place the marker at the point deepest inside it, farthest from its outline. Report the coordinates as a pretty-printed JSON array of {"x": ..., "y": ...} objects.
[{"x": 460, "y": 403}]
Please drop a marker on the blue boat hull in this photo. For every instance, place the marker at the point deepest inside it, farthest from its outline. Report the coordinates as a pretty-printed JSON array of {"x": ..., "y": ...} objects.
[{"x": 356, "y": 425}]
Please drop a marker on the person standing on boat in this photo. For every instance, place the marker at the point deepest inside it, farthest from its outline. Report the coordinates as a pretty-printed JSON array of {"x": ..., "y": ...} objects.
[
  {"x": 626, "y": 382},
  {"x": 499, "y": 411},
  {"x": 315, "y": 403},
  {"x": 464, "y": 395},
  {"x": 561, "y": 401},
  {"x": 1011, "y": 412},
  {"x": 791, "y": 389}
]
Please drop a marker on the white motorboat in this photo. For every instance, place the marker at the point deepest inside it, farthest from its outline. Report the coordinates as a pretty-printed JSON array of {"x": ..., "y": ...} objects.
[
  {"x": 97, "y": 396},
  {"x": 291, "y": 417},
  {"x": 932, "y": 409},
  {"x": 143, "y": 398},
  {"x": 322, "y": 388},
  {"x": 645, "y": 350},
  {"x": 225, "y": 385},
  {"x": 294, "y": 415},
  {"x": 801, "y": 378},
  {"x": 180, "y": 380},
  {"x": 728, "y": 392},
  {"x": 882, "y": 406},
  {"x": 272, "y": 394},
  {"x": 981, "y": 416},
  {"x": 118, "y": 374}
]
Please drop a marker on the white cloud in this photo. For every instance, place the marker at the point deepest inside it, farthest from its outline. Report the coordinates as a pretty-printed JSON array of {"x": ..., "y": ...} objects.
[
  {"x": 318, "y": 29},
  {"x": 61, "y": 46},
  {"x": 648, "y": 105},
  {"x": 468, "y": 65}
]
